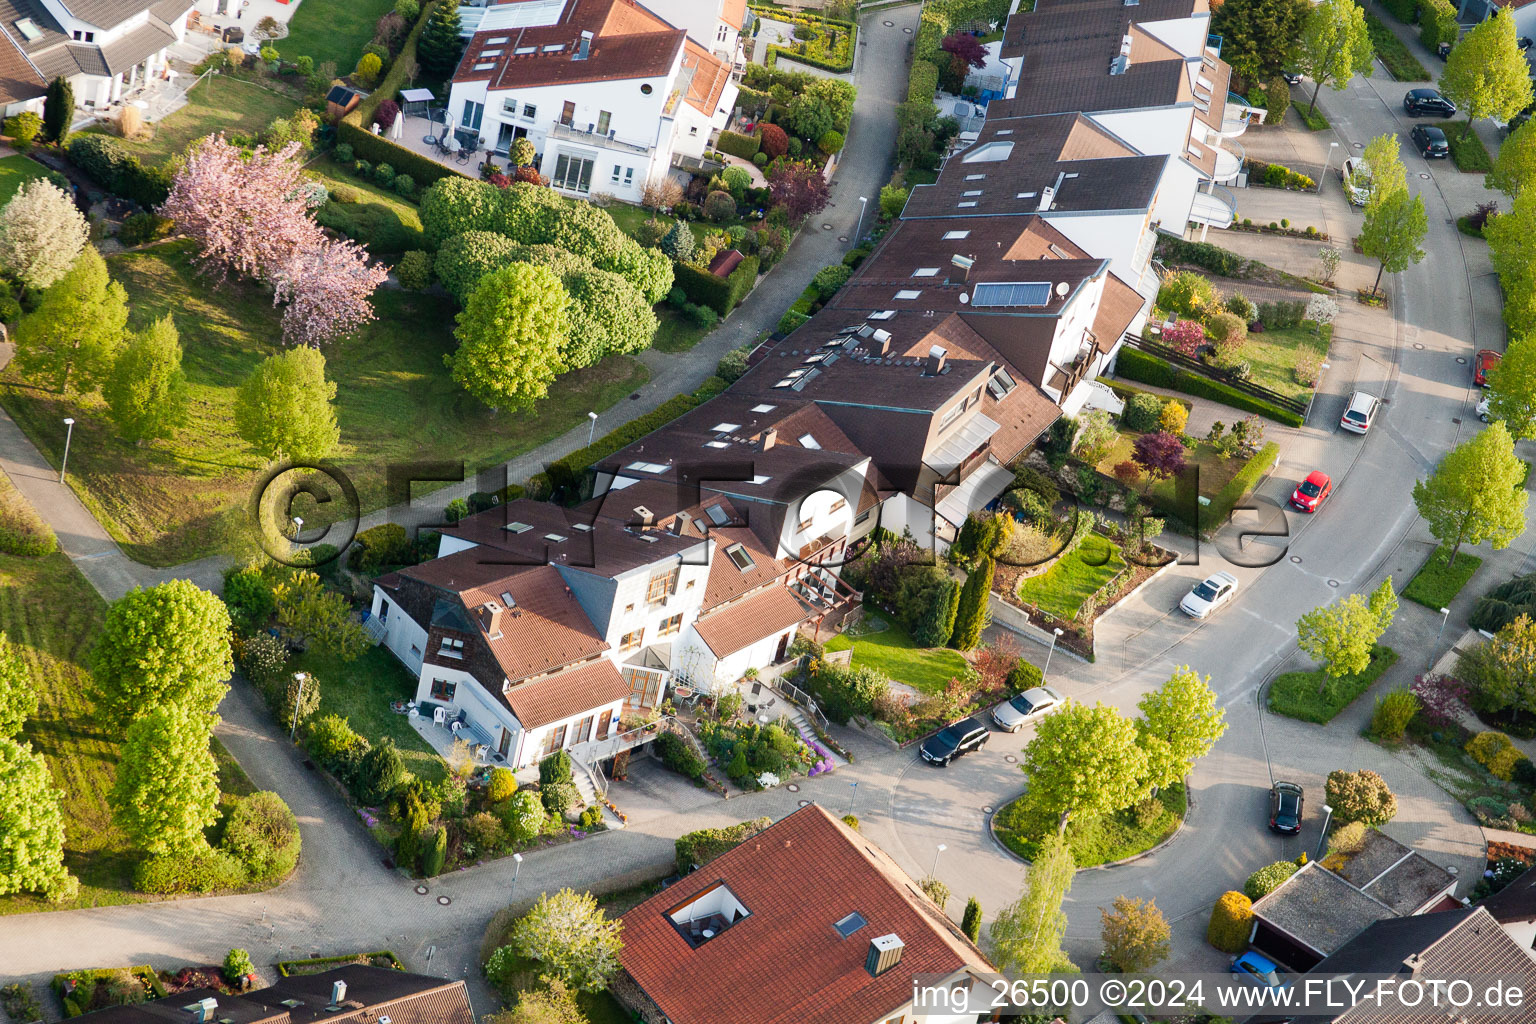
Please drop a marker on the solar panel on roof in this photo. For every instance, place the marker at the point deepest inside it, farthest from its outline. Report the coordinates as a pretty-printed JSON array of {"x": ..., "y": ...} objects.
[{"x": 1031, "y": 293}]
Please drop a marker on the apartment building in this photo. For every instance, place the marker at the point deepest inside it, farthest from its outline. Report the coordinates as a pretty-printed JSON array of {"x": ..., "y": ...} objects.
[{"x": 610, "y": 93}]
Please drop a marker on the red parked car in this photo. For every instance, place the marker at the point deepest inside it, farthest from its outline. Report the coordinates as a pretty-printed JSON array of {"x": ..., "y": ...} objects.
[
  {"x": 1314, "y": 490},
  {"x": 1487, "y": 359}
]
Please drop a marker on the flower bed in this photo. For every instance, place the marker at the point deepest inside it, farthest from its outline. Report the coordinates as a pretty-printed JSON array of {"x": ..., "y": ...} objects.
[
  {"x": 830, "y": 46},
  {"x": 84, "y": 991},
  {"x": 760, "y": 756}
]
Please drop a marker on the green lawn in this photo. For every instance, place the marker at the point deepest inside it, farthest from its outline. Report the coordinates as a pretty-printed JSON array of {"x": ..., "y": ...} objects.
[
  {"x": 52, "y": 617},
  {"x": 1435, "y": 585},
  {"x": 1317, "y": 697},
  {"x": 629, "y": 218},
  {"x": 16, "y": 171},
  {"x": 176, "y": 500},
  {"x": 674, "y": 333},
  {"x": 361, "y": 691},
  {"x": 1272, "y": 355},
  {"x": 1215, "y": 471},
  {"x": 1098, "y": 840},
  {"x": 381, "y": 219},
  {"x": 1062, "y": 589},
  {"x": 216, "y": 104},
  {"x": 333, "y": 30},
  {"x": 892, "y": 652}
]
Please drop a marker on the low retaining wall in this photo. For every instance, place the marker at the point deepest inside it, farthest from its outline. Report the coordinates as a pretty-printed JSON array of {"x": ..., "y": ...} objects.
[{"x": 1016, "y": 619}]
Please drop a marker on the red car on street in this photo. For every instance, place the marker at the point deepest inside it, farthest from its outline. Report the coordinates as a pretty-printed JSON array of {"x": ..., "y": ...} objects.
[
  {"x": 1487, "y": 359},
  {"x": 1312, "y": 492}
]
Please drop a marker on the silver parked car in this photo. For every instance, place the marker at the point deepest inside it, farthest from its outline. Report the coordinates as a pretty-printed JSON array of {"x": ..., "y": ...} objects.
[
  {"x": 1209, "y": 594},
  {"x": 1013, "y": 715}
]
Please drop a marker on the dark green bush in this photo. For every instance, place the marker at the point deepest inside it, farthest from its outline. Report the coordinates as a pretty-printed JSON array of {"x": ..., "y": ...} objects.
[
  {"x": 379, "y": 546},
  {"x": 141, "y": 228},
  {"x": 248, "y": 595},
  {"x": 677, "y": 755},
  {"x": 1023, "y": 676},
  {"x": 1142, "y": 412},
  {"x": 1204, "y": 255},
  {"x": 703, "y": 846},
  {"x": 738, "y": 145}
]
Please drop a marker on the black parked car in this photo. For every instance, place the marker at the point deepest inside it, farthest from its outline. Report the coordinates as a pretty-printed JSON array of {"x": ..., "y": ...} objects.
[
  {"x": 1291, "y": 77},
  {"x": 1430, "y": 142},
  {"x": 949, "y": 743},
  {"x": 1285, "y": 800},
  {"x": 1422, "y": 102}
]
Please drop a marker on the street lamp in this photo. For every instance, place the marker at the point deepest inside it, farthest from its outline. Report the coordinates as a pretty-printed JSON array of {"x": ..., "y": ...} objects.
[
  {"x": 591, "y": 430},
  {"x": 1429, "y": 662},
  {"x": 1055, "y": 635},
  {"x": 855, "y": 795},
  {"x": 300, "y": 678},
  {"x": 69, "y": 421},
  {"x": 517, "y": 868},
  {"x": 1331, "y": 147},
  {"x": 859, "y": 231},
  {"x": 935, "y": 872},
  {"x": 1324, "y": 837},
  {"x": 298, "y": 527}
]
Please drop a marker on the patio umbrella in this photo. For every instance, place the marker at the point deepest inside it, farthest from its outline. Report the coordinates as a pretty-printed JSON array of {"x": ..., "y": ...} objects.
[{"x": 397, "y": 129}]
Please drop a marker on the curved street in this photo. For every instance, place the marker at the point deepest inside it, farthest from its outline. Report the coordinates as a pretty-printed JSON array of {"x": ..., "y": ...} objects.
[{"x": 1416, "y": 357}]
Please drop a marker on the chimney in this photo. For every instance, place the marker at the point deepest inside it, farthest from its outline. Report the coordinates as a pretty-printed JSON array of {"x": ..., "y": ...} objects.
[
  {"x": 490, "y": 622},
  {"x": 884, "y": 953},
  {"x": 879, "y": 343},
  {"x": 770, "y": 438},
  {"x": 203, "y": 1009},
  {"x": 644, "y": 515},
  {"x": 1047, "y": 196},
  {"x": 583, "y": 48},
  {"x": 935, "y": 364},
  {"x": 338, "y": 992}
]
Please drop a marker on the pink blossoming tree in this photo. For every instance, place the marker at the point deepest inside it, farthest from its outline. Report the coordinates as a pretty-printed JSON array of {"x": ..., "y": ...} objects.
[
  {"x": 327, "y": 288},
  {"x": 1185, "y": 336}
]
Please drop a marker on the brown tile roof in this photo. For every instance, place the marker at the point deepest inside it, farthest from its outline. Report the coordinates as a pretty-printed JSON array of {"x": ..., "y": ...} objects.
[
  {"x": 725, "y": 262},
  {"x": 726, "y": 581},
  {"x": 1117, "y": 309},
  {"x": 710, "y": 75},
  {"x": 19, "y": 80},
  {"x": 628, "y": 42},
  {"x": 734, "y": 13},
  {"x": 602, "y": 536},
  {"x": 545, "y": 629},
  {"x": 566, "y": 693},
  {"x": 749, "y": 620},
  {"x": 784, "y": 963}
]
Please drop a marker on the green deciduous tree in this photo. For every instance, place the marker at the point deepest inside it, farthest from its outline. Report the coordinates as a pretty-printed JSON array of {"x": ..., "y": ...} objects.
[
  {"x": 1514, "y": 169},
  {"x": 310, "y": 613},
  {"x": 1179, "y": 724},
  {"x": 607, "y": 314},
  {"x": 146, "y": 392},
  {"x": 1502, "y": 672},
  {"x": 823, "y": 105},
  {"x": 42, "y": 233},
  {"x": 76, "y": 328},
  {"x": 1084, "y": 762},
  {"x": 1512, "y": 245},
  {"x": 1395, "y": 224},
  {"x": 18, "y": 695},
  {"x": 972, "y": 615},
  {"x": 1135, "y": 935},
  {"x": 571, "y": 938},
  {"x": 1383, "y": 155},
  {"x": 1512, "y": 389},
  {"x": 1475, "y": 494},
  {"x": 58, "y": 110},
  {"x": 31, "y": 826},
  {"x": 283, "y": 409},
  {"x": 161, "y": 646},
  {"x": 167, "y": 789},
  {"x": 510, "y": 335},
  {"x": 1486, "y": 74},
  {"x": 1026, "y": 934},
  {"x": 1341, "y": 635},
  {"x": 1256, "y": 35},
  {"x": 1334, "y": 46}
]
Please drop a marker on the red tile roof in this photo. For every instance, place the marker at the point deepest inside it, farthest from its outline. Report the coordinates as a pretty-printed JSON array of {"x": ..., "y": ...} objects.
[
  {"x": 784, "y": 963},
  {"x": 628, "y": 41},
  {"x": 710, "y": 76},
  {"x": 546, "y": 628},
  {"x": 749, "y": 620},
  {"x": 570, "y": 692}
]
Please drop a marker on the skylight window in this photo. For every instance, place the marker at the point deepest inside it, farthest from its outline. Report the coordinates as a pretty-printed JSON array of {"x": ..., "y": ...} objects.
[
  {"x": 850, "y": 924},
  {"x": 716, "y": 514},
  {"x": 973, "y": 192},
  {"x": 717, "y": 444},
  {"x": 555, "y": 538},
  {"x": 582, "y": 527},
  {"x": 967, "y": 204},
  {"x": 950, "y": 236},
  {"x": 884, "y": 314},
  {"x": 28, "y": 29},
  {"x": 740, "y": 557},
  {"x": 486, "y": 66},
  {"x": 764, "y": 408},
  {"x": 724, "y": 428},
  {"x": 909, "y": 293},
  {"x": 554, "y": 47},
  {"x": 1025, "y": 195},
  {"x": 975, "y": 177},
  {"x": 523, "y": 51},
  {"x": 809, "y": 441},
  {"x": 926, "y": 272},
  {"x": 758, "y": 481},
  {"x": 517, "y": 527},
  {"x": 992, "y": 152},
  {"x": 1005, "y": 131},
  {"x": 1001, "y": 384},
  {"x": 646, "y": 467},
  {"x": 489, "y": 53}
]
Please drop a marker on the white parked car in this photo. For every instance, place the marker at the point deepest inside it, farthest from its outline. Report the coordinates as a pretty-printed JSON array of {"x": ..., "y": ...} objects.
[
  {"x": 1482, "y": 409},
  {"x": 1013, "y": 715},
  {"x": 1356, "y": 175},
  {"x": 1208, "y": 595},
  {"x": 1360, "y": 413}
]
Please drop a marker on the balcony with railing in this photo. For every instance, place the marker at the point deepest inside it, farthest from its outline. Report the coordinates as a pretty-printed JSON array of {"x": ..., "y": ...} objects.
[
  {"x": 1229, "y": 160},
  {"x": 589, "y": 136},
  {"x": 1214, "y": 205}
]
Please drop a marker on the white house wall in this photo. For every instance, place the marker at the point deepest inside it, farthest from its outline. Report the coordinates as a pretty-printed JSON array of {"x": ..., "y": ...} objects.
[
  {"x": 403, "y": 635},
  {"x": 532, "y": 741},
  {"x": 1150, "y": 130},
  {"x": 631, "y": 610},
  {"x": 1114, "y": 235},
  {"x": 827, "y": 511}
]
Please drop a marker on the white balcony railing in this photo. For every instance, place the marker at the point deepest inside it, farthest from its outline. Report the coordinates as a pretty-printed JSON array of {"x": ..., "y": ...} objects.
[{"x": 1216, "y": 207}]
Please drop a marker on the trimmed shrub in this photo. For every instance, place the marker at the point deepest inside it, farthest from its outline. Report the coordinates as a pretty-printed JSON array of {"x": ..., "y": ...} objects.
[
  {"x": 1133, "y": 364},
  {"x": 1393, "y": 713},
  {"x": 264, "y": 836},
  {"x": 237, "y": 965},
  {"x": 1360, "y": 796},
  {"x": 829, "y": 279},
  {"x": 1487, "y": 745},
  {"x": 1231, "y": 922},
  {"x": 1205, "y": 255},
  {"x": 744, "y": 147},
  {"x": 343, "y": 154},
  {"x": 677, "y": 755},
  {"x": 415, "y": 268},
  {"x": 1348, "y": 838},
  {"x": 178, "y": 874},
  {"x": 1023, "y": 676},
  {"x": 502, "y": 785},
  {"x": 379, "y": 546},
  {"x": 703, "y": 846},
  {"x": 1143, "y": 412},
  {"x": 1268, "y": 878}
]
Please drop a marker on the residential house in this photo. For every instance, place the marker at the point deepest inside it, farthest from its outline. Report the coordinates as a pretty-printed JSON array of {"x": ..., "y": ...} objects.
[
  {"x": 105, "y": 48},
  {"x": 1316, "y": 911},
  {"x": 1514, "y": 907},
  {"x": 747, "y": 932},
  {"x": 719, "y": 25},
  {"x": 353, "y": 994},
  {"x": 609, "y": 92}
]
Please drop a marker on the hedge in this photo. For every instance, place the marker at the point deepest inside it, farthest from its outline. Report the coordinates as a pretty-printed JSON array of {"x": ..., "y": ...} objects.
[
  {"x": 739, "y": 145},
  {"x": 377, "y": 149},
  {"x": 720, "y": 294},
  {"x": 924, "y": 81},
  {"x": 1241, "y": 483},
  {"x": 776, "y": 52},
  {"x": 1404, "y": 11},
  {"x": 706, "y": 844},
  {"x": 285, "y": 968},
  {"x": 1437, "y": 23},
  {"x": 1219, "y": 261},
  {"x": 104, "y": 160},
  {"x": 1134, "y": 364}
]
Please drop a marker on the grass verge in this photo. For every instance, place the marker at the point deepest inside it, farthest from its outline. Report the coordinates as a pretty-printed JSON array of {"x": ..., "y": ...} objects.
[
  {"x": 1436, "y": 584},
  {"x": 183, "y": 498},
  {"x": 1394, "y": 55},
  {"x": 894, "y": 653},
  {"x": 1468, "y": 152},
  {"x": 1313, "y": 119},
  {"x": 1465, "y": 226},
  {"x": 1095, "y": 841},
  {"x": 1063, "y": 588},
  {"x": 52, "y": 616},
  {"x": 333, "y": 30},
  {"x": 1317, "y": 697}
]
